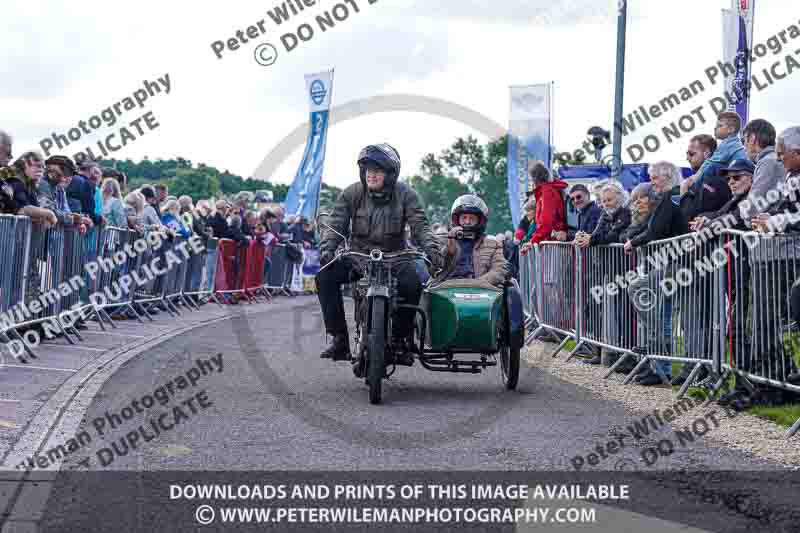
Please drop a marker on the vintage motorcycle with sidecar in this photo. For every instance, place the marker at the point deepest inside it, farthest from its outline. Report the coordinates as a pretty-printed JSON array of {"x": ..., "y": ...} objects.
[{"x": 461, "y": 326}]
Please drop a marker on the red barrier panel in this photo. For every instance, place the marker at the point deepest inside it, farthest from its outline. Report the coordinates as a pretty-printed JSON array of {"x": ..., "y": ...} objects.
[
  {"x": 254, "y": 266},
  {"x": 225, "y": 280},
  {"x": 240, "y": 268}
]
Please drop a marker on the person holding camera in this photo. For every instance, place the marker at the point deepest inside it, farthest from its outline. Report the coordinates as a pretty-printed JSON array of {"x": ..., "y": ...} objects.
[{"x": 470, "y": 253}]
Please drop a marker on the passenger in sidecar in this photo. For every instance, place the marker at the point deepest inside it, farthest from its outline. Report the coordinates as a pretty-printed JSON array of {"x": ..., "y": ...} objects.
[
  {"x": 470, "y": 253},
  {"x": 472, "y": 306}
]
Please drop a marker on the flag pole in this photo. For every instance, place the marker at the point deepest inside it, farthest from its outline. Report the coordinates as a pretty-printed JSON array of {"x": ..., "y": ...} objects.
[{"x": 622, "y": 17}]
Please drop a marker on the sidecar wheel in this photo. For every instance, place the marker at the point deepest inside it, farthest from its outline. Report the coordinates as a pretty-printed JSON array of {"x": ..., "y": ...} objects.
[{"x": 509, "y": 366}]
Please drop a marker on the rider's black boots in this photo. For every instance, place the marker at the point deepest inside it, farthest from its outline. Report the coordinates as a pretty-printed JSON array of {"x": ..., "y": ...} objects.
[{"x": 339, "y": 349}]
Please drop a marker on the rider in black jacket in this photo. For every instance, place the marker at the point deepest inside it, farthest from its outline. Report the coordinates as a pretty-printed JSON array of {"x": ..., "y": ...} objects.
[{"x": 378, "y": 208}]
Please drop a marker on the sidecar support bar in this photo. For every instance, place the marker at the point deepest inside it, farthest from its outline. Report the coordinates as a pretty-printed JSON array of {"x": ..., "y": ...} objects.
[{"x": 459, "y": 367}]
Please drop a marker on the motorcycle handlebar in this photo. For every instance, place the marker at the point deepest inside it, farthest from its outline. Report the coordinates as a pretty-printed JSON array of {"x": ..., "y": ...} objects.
[{"x": 378, "y": 255}]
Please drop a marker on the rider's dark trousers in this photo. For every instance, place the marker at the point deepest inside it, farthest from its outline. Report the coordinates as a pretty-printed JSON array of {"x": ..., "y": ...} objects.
[{"x": 329, "y": 290}]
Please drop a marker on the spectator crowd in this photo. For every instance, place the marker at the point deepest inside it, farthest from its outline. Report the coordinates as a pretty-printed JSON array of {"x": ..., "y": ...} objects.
[
  {"x": 745, "y": 178},
  {"x": 57, "y": 192}
]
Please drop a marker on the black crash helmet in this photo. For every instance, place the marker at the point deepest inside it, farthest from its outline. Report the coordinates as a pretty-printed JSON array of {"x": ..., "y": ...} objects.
[{"x": 384, "y": 156}]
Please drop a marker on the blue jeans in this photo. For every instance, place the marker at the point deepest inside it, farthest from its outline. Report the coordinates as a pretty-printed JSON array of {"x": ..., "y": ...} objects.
[
  {"x": 422, "y": 271},
  {"x": 195, "y": 275},
  {"x": 211, "y": 268},
  {"x": 654, "y": 313}
]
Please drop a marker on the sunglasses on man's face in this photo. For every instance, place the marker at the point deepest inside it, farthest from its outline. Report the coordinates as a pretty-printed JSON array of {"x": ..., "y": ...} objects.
[
  {"x": 736, "y": 177},
  {"x": 578, "y": 198}
]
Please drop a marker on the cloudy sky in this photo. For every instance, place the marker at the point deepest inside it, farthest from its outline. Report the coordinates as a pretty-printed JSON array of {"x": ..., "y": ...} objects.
[{"x": 66, "y": 62}]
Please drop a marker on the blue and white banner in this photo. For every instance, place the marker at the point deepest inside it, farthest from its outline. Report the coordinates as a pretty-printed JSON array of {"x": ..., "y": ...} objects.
[
  {"x": 737, "y": 35},
  {"x": 303, "y": 196},
  {"x": 529, "y": 139}
]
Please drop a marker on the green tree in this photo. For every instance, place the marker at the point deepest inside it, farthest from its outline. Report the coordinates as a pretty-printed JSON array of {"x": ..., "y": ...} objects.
[
  {"x": 173, "y": 172},
  {"x": 197, "y": 183},
  {"x": 467, "y": 166},
  {"x": 327, "y": 197}
]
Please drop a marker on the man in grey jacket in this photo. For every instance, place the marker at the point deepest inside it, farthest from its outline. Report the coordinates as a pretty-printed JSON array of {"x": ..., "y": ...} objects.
[{"x": 759, "y": 142}]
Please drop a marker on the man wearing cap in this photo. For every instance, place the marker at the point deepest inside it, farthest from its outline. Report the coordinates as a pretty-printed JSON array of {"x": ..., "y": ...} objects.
[
  {"x": 52, "y": 194},
  {"x": 80, "y": 191},
  {"x": 589, "y": 212},
  {"x": 739, "y": 174},
  {"x": 93, "y": 174},
  {"x": 303, "y": 232}
]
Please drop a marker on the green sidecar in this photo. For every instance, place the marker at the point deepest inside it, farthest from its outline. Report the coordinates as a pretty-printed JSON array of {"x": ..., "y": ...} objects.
[{"x": 460, "y": 318}]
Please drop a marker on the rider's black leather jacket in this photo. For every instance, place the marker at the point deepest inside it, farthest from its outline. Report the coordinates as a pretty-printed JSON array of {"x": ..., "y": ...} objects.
[{"x": 380, "y": 223}]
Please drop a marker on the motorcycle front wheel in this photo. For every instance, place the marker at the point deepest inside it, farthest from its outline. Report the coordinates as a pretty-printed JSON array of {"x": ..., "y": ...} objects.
[{"x": 376, "y": 348}]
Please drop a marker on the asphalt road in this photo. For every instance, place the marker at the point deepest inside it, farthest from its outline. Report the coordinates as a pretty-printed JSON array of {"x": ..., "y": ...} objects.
[{"x": 276, "y": 406}]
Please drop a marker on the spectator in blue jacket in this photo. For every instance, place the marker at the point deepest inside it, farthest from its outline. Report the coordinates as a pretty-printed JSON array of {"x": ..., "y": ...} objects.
[
  {"x": 93, "y": 174},
  {"x": 172, "y": 220},
  {"x": 589, "y": 212},
  {"x": 730, "y": 148},
  {"x": 81, "y": 195}
]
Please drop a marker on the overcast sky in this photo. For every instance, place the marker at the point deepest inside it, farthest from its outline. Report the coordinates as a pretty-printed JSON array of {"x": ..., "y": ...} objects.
[{"x": 66, "y": 62}]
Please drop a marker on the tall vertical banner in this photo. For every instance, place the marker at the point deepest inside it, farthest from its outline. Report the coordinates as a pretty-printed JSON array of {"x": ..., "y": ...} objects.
[
  {"x": 737, "y": 36},
  {"x": 529, "y": 139},
  {"x": 303, "y": 196}
]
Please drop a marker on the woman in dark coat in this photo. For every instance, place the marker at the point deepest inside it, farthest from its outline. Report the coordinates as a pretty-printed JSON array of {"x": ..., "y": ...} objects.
[
  {"x": 667, "y": 220},
  {"x": 615, "y": 219}
]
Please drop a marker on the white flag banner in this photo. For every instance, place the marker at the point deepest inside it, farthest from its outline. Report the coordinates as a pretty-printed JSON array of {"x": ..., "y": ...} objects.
[{"x": 737, "y": 45}]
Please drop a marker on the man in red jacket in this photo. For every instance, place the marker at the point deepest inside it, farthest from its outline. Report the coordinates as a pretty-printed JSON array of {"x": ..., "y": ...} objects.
[{"x": 551, "y": 215}]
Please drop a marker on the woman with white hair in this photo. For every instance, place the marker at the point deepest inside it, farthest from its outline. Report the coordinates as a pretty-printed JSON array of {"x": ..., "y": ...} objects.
[
  {"x": 185, "y": 203},
  {"x": 667, "y": 219},
  {"x": 113, "y": 210},
  {"x": 134, "y": 210},
  {"x": 615, "y": 218}
]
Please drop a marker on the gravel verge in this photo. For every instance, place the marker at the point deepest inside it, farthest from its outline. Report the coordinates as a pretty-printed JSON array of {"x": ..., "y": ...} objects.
[{"x": 743, "y": 431}]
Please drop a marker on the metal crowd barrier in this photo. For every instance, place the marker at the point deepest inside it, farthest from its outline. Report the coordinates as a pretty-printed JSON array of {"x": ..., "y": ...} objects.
[
  {"x": 722, "y": 305},
  {"x": 556, "y": 292},
  {"x": 673, "y": 296},
  {"x": 46, "y": 284},
  {"x": 609, "y": 318},
  {"x": 760, "y": 340},
  {"x": 15, "y": 236},
  {"x": 280, "y": 270},
  {"x": 40, "y": 306}
]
